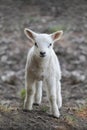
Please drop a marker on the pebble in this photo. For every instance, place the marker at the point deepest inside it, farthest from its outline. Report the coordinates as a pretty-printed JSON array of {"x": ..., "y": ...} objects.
[
  {"x": 4, "y": 58},
  {"x": 77, "y": 77},
  {"x": 74, "y": 76},
  {"x": 79, "y": 40},
  {"x": 82, "y": 58},
  {"x": 9, "y": 78},
  {"x": 5, "y": 102},
  {"x": 65, "y": 73}
]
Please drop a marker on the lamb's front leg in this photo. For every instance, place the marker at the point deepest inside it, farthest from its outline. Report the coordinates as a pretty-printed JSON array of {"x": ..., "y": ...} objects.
[
  {"x": 51, "y": 87},
  {"x": 30, "y": 92},
  {"x": 38, "y": 94}
]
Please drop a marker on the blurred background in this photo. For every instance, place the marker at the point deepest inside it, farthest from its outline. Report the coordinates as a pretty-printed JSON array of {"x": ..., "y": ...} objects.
[{"x": 45, "y": 17}]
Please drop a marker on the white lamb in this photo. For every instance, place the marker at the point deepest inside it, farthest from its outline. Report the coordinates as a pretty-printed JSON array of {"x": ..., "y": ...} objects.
[{"x": 43, "y": 67}]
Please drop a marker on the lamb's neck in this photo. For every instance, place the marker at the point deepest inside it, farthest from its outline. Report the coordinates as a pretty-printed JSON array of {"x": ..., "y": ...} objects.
[{"x": 41, "y": 62}]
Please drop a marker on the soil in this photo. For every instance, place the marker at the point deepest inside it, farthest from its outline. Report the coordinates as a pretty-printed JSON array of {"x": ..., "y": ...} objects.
[{"x": 41, "y": 16}]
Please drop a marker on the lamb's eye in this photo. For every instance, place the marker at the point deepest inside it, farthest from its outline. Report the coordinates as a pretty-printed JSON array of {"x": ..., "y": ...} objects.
[
  {"x": 50, "y": 44},
  {"x": 36, "y": 44}
]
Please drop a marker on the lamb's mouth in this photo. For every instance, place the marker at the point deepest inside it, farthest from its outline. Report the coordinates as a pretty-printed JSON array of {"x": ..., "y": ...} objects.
[{"x": 42, "y": 56}]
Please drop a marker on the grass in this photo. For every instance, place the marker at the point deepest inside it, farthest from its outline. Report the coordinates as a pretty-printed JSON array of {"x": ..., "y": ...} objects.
[
  {"x": 56, "y": 28},
  {"x": 5, "y": 108},
  {"x": 70, "y": 119},
  {"x": 44, "y": 109},
  {"x": 82, "y": 112},
  {"x": 34, "y": 19},
  {"x": 78, "y": 113},
  {"x": 22, "y": 94}
]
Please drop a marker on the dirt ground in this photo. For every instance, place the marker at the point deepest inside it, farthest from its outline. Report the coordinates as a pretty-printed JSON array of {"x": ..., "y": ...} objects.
[{"x": 41, "y": 16}]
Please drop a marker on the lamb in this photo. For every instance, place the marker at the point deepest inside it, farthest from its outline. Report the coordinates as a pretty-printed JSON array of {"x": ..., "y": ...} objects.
[{"x": 43, "y": 68}]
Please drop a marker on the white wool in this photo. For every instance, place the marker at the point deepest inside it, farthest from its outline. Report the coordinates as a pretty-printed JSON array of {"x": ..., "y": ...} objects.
[{"x": 43, "y": 69}]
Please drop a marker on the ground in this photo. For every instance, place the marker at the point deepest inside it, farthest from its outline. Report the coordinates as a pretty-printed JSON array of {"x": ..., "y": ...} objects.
[{"x": 71, "y": 51}]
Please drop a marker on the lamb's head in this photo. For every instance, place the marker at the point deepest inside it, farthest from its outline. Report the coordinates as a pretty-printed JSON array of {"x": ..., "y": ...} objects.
[{"x": 43, "y": 43}]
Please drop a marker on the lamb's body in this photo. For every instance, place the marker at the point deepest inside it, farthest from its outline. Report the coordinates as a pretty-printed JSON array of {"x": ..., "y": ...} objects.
[{"x": 43, "y": 71}]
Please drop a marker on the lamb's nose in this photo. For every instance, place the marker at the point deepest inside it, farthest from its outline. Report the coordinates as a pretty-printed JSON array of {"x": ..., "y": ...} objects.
[{"x": 42, "y": 54}]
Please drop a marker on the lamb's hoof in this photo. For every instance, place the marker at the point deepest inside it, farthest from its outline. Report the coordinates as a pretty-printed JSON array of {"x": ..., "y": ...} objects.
[
  {"x": 25, "y": 110},
  {"x": 36, "y": 104},
  {"x": 56, "y": 115}
]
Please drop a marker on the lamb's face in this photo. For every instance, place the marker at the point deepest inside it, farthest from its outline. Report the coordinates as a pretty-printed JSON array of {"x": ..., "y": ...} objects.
[{"x": 43, "y": 43}]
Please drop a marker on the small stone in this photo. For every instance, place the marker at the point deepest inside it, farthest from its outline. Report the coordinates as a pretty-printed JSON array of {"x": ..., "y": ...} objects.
[
  {"x": 85, "y": 25},
  {"x": 4, "y": 58},
  {"x": 5, "y": 102},
  {"x": 59, "y": 127},
  {"x": 80, "y": 102},
  {"x": 65, "y": 73},
  {"x": 79, "y": 40},
  {"x": 82, "y": 58},
  {"x": 77, "y": 77},
  {"x": 9, "y": 78},
  {"x": 43, "y": 20}
]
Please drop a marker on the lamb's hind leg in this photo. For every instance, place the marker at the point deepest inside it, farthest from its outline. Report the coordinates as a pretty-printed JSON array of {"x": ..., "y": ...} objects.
[
  {"x": 51, "y": 87},
  {"x": 58, "y": 93},
  {"x": 38, "y": 94},
  {"x": 30, "y": 92}
]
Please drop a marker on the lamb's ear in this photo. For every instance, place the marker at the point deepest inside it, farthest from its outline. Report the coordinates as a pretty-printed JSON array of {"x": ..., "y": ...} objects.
[
  {"x": 56, "y": 35},
  {"x": 30, "y": 34}
]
